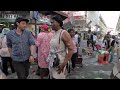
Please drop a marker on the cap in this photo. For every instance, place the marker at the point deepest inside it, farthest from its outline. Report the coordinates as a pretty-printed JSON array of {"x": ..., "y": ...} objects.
[
  {"x": 21, "y": 19},
  {"x": 44, "y": 26}
]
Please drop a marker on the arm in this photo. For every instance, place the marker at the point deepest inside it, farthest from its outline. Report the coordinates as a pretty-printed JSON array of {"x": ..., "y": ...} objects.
[
  {"x": 69, "y": 44},
  {"x": 38, "y": 40},
  {"x": 112, "y": 45},
  {"x": 0, "y": 43},
  {"x": 32, "y": 47},
  {"x": 32, "y": 44}
]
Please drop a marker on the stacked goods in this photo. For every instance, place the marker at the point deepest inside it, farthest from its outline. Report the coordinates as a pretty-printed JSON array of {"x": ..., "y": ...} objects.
[{"x": 103, "y": 57}]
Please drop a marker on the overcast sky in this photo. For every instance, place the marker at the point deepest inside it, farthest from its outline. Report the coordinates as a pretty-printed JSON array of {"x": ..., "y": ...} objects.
[{"x": 110, "y": 18}]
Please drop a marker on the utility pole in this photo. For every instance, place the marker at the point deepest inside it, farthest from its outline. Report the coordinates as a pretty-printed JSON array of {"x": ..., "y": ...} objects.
[
  {"x": 85, "y": 24},
  {"x": 72, "y": 18},
  {"x": 35, "y": 15},
  {"x": 36, "y": 27}
]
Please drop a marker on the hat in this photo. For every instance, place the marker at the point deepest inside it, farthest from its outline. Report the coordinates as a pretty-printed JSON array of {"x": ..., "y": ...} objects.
[
  {"x": 58, "y": 19},
  {"x": 19, "y": 19},
  {"x": 44, "y": 26}
]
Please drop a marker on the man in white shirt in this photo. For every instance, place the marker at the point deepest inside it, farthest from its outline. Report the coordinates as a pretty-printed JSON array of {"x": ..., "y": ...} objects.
[{"x": 77, "y": 37}]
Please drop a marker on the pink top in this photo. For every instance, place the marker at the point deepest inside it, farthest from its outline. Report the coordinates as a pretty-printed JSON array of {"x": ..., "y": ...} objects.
[
  {"x": 43, "y": 43},
  {"x": 74, "y": 43}
]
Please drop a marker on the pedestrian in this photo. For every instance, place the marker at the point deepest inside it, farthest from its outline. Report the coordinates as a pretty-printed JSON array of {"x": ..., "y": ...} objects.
[
  {"x": 5, "y": 55},
  {"x": 90, "y": 39},
  {"x": 61, "y": 49},
  {"x": 110, "y": 45},
  {"x": 77, "y": 37},
  {"x": 75, "y": 42},
  {"x": 21, "y": 47},
  {"x": 108, "y": 34},
  {"x": 95, "y": 39},
  {"x": 43, "y": 44}
]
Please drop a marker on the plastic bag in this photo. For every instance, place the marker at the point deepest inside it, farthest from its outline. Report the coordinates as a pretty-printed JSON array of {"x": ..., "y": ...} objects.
[{"x": 102, "y": 52}]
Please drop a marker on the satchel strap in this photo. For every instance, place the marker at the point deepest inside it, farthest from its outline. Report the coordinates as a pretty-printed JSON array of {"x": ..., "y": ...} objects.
[{"x": 60, "y": 36}]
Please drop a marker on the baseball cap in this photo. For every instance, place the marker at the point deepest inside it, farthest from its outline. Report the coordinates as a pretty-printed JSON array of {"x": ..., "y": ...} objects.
[
  {"x": 44, "y": 26},
  {"x": 21, "y": 19}
]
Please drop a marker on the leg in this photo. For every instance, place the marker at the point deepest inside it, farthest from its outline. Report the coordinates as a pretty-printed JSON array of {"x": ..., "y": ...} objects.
[
  {"x": 27, "y": 67},
  {"x": 44, "y": 73},
  {"x": 111, "y": 57},
  {"x": 74, "y": 57},
  {"x": 20, "y": 69},
  {"x": 68, "y": 67},
  {"x": 11, "y": 66},
  {"x": 4, "y": 65},
  {"x": 87, "y": 43},
  {"x": 38, "y": 71},
  {"x": 92, "y": 45}
]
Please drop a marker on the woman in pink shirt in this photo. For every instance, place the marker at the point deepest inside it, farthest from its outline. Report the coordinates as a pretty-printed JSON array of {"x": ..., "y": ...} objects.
[
  {"x": 43, "y": 44},
  {"x": 74, "y": 56}
]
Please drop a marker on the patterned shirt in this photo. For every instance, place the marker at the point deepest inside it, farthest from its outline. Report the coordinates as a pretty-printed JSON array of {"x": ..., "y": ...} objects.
[
  {"x": 20, "y": 45},
  {"x": 43, "y": 44}
]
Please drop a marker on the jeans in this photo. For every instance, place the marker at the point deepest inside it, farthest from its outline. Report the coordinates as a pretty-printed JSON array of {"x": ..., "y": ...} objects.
[
  {"x": 22, "y": 69},
  {"x": 73, "y": 59},
  {"x": 112, "y": 56}
]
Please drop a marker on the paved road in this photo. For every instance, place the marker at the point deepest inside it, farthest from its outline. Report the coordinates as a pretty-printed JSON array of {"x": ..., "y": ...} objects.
[{"x": 91, "y": 69}]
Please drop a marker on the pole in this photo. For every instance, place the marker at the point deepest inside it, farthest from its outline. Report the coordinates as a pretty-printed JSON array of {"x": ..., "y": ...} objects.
[
  {"x": 85, "y": 25},
  {"x": 35, "y": 27}
]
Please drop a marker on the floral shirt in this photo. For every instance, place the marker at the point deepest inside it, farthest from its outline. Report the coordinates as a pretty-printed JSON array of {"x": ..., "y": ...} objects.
[{"x": 43, "y": 44}]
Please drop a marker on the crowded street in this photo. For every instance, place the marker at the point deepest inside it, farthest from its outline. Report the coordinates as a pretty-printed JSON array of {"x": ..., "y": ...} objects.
[
  {"x": 59, "y": 45},
  {"x": 91, "y": 69}
]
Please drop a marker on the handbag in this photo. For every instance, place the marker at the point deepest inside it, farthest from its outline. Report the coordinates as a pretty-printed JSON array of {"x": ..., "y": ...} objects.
[{"x": 57, "y": 59}]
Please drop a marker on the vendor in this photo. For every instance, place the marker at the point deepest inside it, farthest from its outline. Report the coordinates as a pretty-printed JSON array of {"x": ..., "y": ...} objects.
[{"x": 110, "y": 46}]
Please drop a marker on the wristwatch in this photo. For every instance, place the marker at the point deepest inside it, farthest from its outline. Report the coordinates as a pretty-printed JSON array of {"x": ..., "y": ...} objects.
[{"x": 32, "y": 55}]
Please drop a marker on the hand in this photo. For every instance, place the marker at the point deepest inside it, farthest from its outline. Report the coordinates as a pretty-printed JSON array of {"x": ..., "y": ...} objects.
[
  {"x": 31, "y": 59},
  {"x": 61, "y": 68}
]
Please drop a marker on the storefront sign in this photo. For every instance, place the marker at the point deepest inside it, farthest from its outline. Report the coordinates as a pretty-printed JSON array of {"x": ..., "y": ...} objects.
[{"x": 9, "y": 16}]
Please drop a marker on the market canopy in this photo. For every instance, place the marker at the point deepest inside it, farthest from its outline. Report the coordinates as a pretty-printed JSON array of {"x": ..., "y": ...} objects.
[{"x": 63, "y": 15}]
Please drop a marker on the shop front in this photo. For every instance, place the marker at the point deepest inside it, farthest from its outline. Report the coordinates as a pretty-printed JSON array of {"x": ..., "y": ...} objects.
[{"x": 7, "y": 19}]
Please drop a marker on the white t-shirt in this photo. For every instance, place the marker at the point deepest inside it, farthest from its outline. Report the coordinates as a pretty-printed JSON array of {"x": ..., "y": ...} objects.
[
  {"x": 94, "y": 38},
  {"x": 76, "y": 38}
]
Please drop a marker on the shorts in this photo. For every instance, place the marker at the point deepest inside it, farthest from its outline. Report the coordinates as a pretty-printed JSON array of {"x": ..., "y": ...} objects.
[{"x": 44, "y": 71}]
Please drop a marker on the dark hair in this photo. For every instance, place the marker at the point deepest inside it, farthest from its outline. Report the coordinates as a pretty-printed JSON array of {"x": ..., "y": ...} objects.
[
  {"x": 58, "y": 19},
  {"x": 76, "y": 32},
  {"x": 113, "y": 37},
  {"x": 89, "y": 30},
  {"x": 69, "y": 30},
  {"x": 15, "y": 24},
  {"x": 95, "y": 33},
  {"x": 19, "y": 19}
]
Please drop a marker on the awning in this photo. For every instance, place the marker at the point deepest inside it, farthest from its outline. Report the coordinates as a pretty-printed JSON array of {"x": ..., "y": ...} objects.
[{"x": 63, "y": 15}]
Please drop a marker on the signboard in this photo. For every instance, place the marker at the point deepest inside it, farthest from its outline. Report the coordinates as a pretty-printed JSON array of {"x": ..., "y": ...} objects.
[
  {"x": 78, "y": 13},
  {"x": 9, "y": 16}
]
